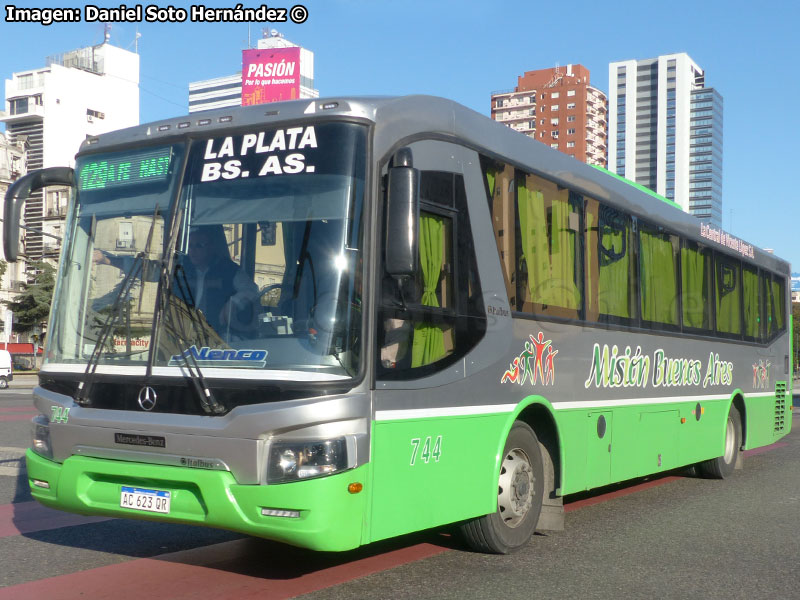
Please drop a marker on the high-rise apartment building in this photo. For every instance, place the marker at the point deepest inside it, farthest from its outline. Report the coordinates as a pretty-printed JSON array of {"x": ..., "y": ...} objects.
[
  {"x": 559, "y": 108},
  {"x": 222, "y": 92},
  {"x": 12, "y": 167},
  {"x": 665, "y": 131},
  {"x": 52, "y": 109}
]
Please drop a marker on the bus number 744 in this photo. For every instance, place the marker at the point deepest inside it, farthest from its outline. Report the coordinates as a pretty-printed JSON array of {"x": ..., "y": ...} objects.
[{"x": 428, "y": 453}]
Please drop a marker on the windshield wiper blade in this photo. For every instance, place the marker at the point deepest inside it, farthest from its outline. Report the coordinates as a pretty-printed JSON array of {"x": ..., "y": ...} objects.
[
  {"x": 208, "y": 402},
  {"x": 84, "y": 387}
]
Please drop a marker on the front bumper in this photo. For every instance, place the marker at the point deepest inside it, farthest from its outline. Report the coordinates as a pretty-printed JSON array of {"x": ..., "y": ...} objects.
[{"x": 330, "y": 518}]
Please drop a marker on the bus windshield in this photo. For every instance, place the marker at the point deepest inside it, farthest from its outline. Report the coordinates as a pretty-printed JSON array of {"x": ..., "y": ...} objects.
[{"x": 253, "y": 265}]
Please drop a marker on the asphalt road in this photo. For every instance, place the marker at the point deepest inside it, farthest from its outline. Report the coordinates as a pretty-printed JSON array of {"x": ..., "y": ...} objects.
[{"x": 673, "y": 537}]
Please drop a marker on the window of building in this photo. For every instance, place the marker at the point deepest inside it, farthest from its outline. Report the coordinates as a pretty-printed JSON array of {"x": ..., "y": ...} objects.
[
  {"x": 570, "y": 106},
  {"x": 554, "y": 134},
  {"x": 553, "y": 107},
  {"x": 18, "y": 106},
  {"x": 570, "y": 118},
  {"x": 554, "y": 121},
  {"x": 554, "y": 146},
  {"x": 555, "y": 95},
  {"x": 571, "y": 131},
  {"x": 570, "y": 144},
  {"x": 570, "y": 92}
]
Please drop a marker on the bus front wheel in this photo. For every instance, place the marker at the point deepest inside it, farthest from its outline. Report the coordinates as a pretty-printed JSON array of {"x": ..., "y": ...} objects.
[
  {"x": 520, "y": 492},
  {"x": 723, "y": 466}
]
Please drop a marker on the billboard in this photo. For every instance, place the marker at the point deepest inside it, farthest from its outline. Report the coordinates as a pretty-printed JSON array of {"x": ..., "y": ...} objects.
[{"x": 270, "y": 75}]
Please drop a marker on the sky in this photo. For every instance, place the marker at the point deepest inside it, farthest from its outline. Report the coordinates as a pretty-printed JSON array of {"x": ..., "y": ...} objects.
[{"x": 467, "y": 50}]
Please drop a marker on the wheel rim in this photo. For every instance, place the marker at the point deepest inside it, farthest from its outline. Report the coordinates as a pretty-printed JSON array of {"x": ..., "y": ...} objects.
[
  {"x": 515, "y": 488},
  {"x": 730, "y": 442}
]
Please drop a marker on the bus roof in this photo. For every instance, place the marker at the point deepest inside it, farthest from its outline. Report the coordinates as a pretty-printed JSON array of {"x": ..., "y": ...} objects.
[{"x": 400, "y": 119}]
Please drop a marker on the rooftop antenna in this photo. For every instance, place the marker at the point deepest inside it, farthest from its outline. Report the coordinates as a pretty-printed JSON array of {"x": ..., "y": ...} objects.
[
  {"x": 136, "y": 41},
  {"x": 107, "y": 33}
]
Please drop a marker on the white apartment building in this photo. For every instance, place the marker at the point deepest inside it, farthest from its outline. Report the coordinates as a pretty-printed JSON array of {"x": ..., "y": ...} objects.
[
  {"x": 665, "y": 131},
  {"x": 12, "y": 167},
  {"x": 226, "y": 91},
  {"x": 52, "y": 109}
]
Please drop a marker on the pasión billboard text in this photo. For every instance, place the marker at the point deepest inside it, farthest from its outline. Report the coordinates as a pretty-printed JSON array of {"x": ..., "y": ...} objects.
[{"x": 270, "y": 75}]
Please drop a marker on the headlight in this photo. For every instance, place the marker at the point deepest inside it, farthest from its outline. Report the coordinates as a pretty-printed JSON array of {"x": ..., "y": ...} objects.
[
  {"x": 40, "y": 432},
  {"x": 291, "y": 461}
]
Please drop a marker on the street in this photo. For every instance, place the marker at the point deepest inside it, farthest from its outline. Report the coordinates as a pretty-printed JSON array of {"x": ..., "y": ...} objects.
[{"x": 675, "y": 536}]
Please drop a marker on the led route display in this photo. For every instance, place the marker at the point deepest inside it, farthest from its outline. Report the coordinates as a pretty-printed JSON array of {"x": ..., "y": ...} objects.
[{"x": 126, "y": 168}]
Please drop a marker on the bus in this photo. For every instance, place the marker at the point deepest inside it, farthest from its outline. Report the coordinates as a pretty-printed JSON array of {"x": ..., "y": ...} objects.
[{"x": 330, "y": 322}]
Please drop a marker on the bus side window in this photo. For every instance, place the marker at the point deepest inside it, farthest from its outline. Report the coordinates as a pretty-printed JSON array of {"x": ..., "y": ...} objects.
[
  {"x": 610, "y": 264},
  {"x": 775, "y": 293},
  {"x": 426, "y": 324},
  {"x": 728, "y": 295},
  {"x": 549, "y": 280},
  {"x": 696, "y": 288},
  {"x": 753, "y": 304},
  {"x": 658, "y": 273},
  {"x": 500, "y": 191}
]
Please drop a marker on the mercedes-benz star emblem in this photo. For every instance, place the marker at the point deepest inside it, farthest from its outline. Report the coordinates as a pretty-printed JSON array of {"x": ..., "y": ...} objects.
[{"x": 147, "y": 398}]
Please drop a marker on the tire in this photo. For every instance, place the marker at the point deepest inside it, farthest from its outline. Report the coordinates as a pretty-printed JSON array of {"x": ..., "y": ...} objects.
[
  {"x": 520, "y": 492},
  {"x": 723, "y": 466},
  {"x": 3, "y": 383}
]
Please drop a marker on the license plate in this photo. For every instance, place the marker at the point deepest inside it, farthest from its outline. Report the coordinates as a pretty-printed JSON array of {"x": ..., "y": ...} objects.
[{"x": 144, "y": 499}]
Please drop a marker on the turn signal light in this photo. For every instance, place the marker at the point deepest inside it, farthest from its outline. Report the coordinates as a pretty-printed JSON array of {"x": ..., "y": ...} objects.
[{"x": 355, "y": 487}]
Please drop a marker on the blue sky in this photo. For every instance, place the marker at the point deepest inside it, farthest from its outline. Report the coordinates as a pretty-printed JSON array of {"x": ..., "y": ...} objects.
[{"x": 466, "y": 50}]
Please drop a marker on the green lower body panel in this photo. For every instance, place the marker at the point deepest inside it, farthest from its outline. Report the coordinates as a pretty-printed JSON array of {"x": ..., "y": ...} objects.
[
  {"x": 434, "y": 471},
  {"x": 600, "y": 446},
  {"x": 330, "y": 517}
]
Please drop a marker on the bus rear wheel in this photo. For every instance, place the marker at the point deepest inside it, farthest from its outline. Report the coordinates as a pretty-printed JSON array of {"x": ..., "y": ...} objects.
[
  {"x": 723, "y": 466},
  {"x": 520, "y": 492}
]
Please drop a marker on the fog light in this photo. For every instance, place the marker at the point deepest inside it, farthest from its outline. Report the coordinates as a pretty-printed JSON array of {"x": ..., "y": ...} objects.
[
  {"x": 40, "y": 432},
  {"x": 41, "y": 484},
  {"x": 278, "y": 512}
]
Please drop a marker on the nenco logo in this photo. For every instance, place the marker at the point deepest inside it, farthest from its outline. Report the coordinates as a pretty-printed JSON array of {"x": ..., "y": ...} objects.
[
  {"x": 293, "y": 138},
  {"x": 218, "y": 357}
]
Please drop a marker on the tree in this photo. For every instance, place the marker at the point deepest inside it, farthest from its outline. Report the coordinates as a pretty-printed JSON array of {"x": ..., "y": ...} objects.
[{"x": 32, "y": 306}]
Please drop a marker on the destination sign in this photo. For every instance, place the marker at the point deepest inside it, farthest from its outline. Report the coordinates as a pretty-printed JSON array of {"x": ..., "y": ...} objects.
[{"x": 125, "y": 168}]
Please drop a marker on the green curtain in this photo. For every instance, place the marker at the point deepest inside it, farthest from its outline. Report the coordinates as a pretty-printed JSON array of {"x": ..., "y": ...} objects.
[
  {"x": 658, "y": 280},
  {"x": 591, "y": 260},
  {"x": 491, "y": 177},
  {"x": 752, "y": 304},
  {"x": 613, "y": 284},
  {"x": 775, "y": 306},
  {"x": 694, "y": 277},
  {"x": 728, "y": 298},
  {"x": 533, "y": 233},
  {"x": 428, "y": 344},
  {"x": 550, "y": 259}
]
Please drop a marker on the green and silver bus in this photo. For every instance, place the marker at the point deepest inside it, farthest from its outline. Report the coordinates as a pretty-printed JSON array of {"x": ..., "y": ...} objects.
[{"x": 415, "y": 317}]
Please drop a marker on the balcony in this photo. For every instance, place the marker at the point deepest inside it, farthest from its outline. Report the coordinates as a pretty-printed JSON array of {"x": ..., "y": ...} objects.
[{"x": 34, "y": 111}]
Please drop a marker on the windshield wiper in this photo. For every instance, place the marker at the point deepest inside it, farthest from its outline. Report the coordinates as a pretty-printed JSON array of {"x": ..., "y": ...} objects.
[
  {"x": 208, "y": 402},
  {"x": 84, "y": 387}
]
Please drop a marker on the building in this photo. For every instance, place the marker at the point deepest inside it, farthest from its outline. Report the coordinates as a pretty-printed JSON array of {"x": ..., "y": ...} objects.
[
  {"x": 221, "y": 92},
  {"x": 665, "y": 131},
  {"x": 13, "y": 158},
  {"x": 52, "y": 109},
  {"x": 559, "y": 108}
]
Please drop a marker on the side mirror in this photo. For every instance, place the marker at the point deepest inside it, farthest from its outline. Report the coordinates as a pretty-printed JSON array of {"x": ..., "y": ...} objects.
[
  {"x": 16, "y": 196},
  {"x": 402, "y": 216}
]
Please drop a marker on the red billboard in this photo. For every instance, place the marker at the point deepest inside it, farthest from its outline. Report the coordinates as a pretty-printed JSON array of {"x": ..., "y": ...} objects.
[{"x": 270, "y": 75}]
